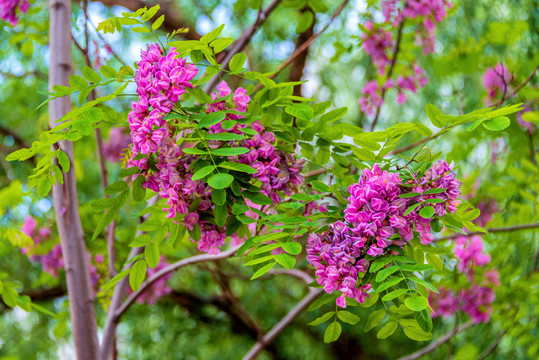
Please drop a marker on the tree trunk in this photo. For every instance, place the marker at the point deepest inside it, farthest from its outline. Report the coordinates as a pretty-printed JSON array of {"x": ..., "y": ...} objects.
[{"x": 81, "y": 299}]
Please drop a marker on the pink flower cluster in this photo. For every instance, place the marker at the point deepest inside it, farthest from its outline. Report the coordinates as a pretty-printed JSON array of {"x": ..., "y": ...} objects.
[
  {"x": 379, "y": 44},
  {"x": 375, "y": 218},
  {"x": 496, "y": 81},
  {"x": 477, "y": 299},
  {"x": 428, "y": 12},
  {"x": 277, "y": 171},
  {"x": 470, "y": 253},
  {"x": 9, "y": 9},
  {"x": 52, "y": 260},
  {"x": 335, "y": 256},
  {"x": 161, "y": 80}
]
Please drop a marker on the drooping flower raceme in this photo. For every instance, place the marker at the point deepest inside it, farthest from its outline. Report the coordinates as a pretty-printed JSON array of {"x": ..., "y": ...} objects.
[
  {"x": 378, "y": 216},
  {"x": 9, "y": 9},
  {"x": 161, "y": 81},
  {"x": 379, "y": 44},
  {"x": 475, "y": 300}
]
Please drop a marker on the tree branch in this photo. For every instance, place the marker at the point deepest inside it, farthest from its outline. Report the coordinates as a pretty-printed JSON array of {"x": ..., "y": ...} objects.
[
  {"x": 305, "y": 45},
  {"x": 389, "y": 73},
  {"x": 172, "y": 267},
  {"x": 296, "y": 70},
  {"x": 492, "y": 230},
  {"x": 241, "y": 43},
  {"x": 518, "y": 88},
  {"x": 81, "y": 299},
  {"x": 433, "y": 346},
  {"x": 493, "y": 347},
  {"x": 283, "y": 323}
]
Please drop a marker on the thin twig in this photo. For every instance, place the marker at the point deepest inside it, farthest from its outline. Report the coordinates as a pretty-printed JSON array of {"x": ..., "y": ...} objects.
[
  {"x": 493, "y": 347},
  {"x": 305, "y": 45},
  {"x": 433, "y": 346},
  {"x": 242, "y": 42},
  {"x": 518, "y": 88},
  {"x": 283, "y": 324},
  {"x": 227, "y": 292},
  {"x": 492, "y": 230},
  {"x": 389, "y": 73},
  {"x": 170, "y": 268}
]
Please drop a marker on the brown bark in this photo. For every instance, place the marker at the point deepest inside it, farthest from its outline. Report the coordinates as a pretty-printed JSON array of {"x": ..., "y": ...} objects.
[
  {"x": 81, "y": 300},
  {"x": 296, "y": 70}
]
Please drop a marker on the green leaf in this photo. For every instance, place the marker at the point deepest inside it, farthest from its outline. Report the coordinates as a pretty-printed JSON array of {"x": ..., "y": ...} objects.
[
  {"x": 138, "y": 192},
  {"x": 379, "y": 263},
  {"x": 322, "y": 319},
  {"x": 383, "y": 274},
  {"x": 389, "y": 283},
  {"x": 424, "y": 283},
  {"x": 263, "y": 270},
  {"x": 424, "y": 320},
  {"x": 225, "y": 136},
  {"x": 116, "y": 187},
  {"x": 333, "y": 332},
  {"x": 435, "y": 115},
  {"x": 110, "y": 284},
  {"x": 141, "y": 240},
  {"x": 220, "y": 44},
  {"x": 150, "y": 13},
  {"x": 348, "y": 317},
  {"x": 435, "y": 261},
  {"x": 292, "y": 247},
  {"x": 387, "y": 330},
  {"x": 221, "y": 215},
  {"x": 157, "y": 23},
  {"x": 374, "y": 319},
  {"x": 286, "y": 260},
  {"x": 212, "y": 35},
  {"x": 63, "y": 160},
  {"x": 232, "y": 151},
  {"x": 415, "y": 267},
  {"x": 434, "y": 191},
  {"x": 194, "y": 151},
  {"x": 77, "y": 82},
  {"x": 417, "y": 334},
  {"x": 304, "y": 22},
  {"x": 218, "y": 196},
  {"x": 91, "y": 75},
  {"x": 237, "y": 62},
  {"x": 301, "y": 111},
  {"x": 394, "y": 294},
  {"x": 238, "y": 167},
  {"x": 497, "y": 124},
  {"x": 333, "y": 115},
  {"x": 205, "y": 171},
  {"x": 321, "y": 301},
  {"x": 220, "y": 181},
  {"x": 108, "y": 72},
  {"x": 416, "y": 303},
  {"x": 411, "y": 208},
  {"x": 151, "y": 254},
  {"x": 427, "y": 212},
  {"x": 101, "y": 205},
  {"x": 211, "y": 119},
  {"x": 137, "y": 274},
  {"x": 258, "y": 198},
  {"x": 84, "y": 122}
]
